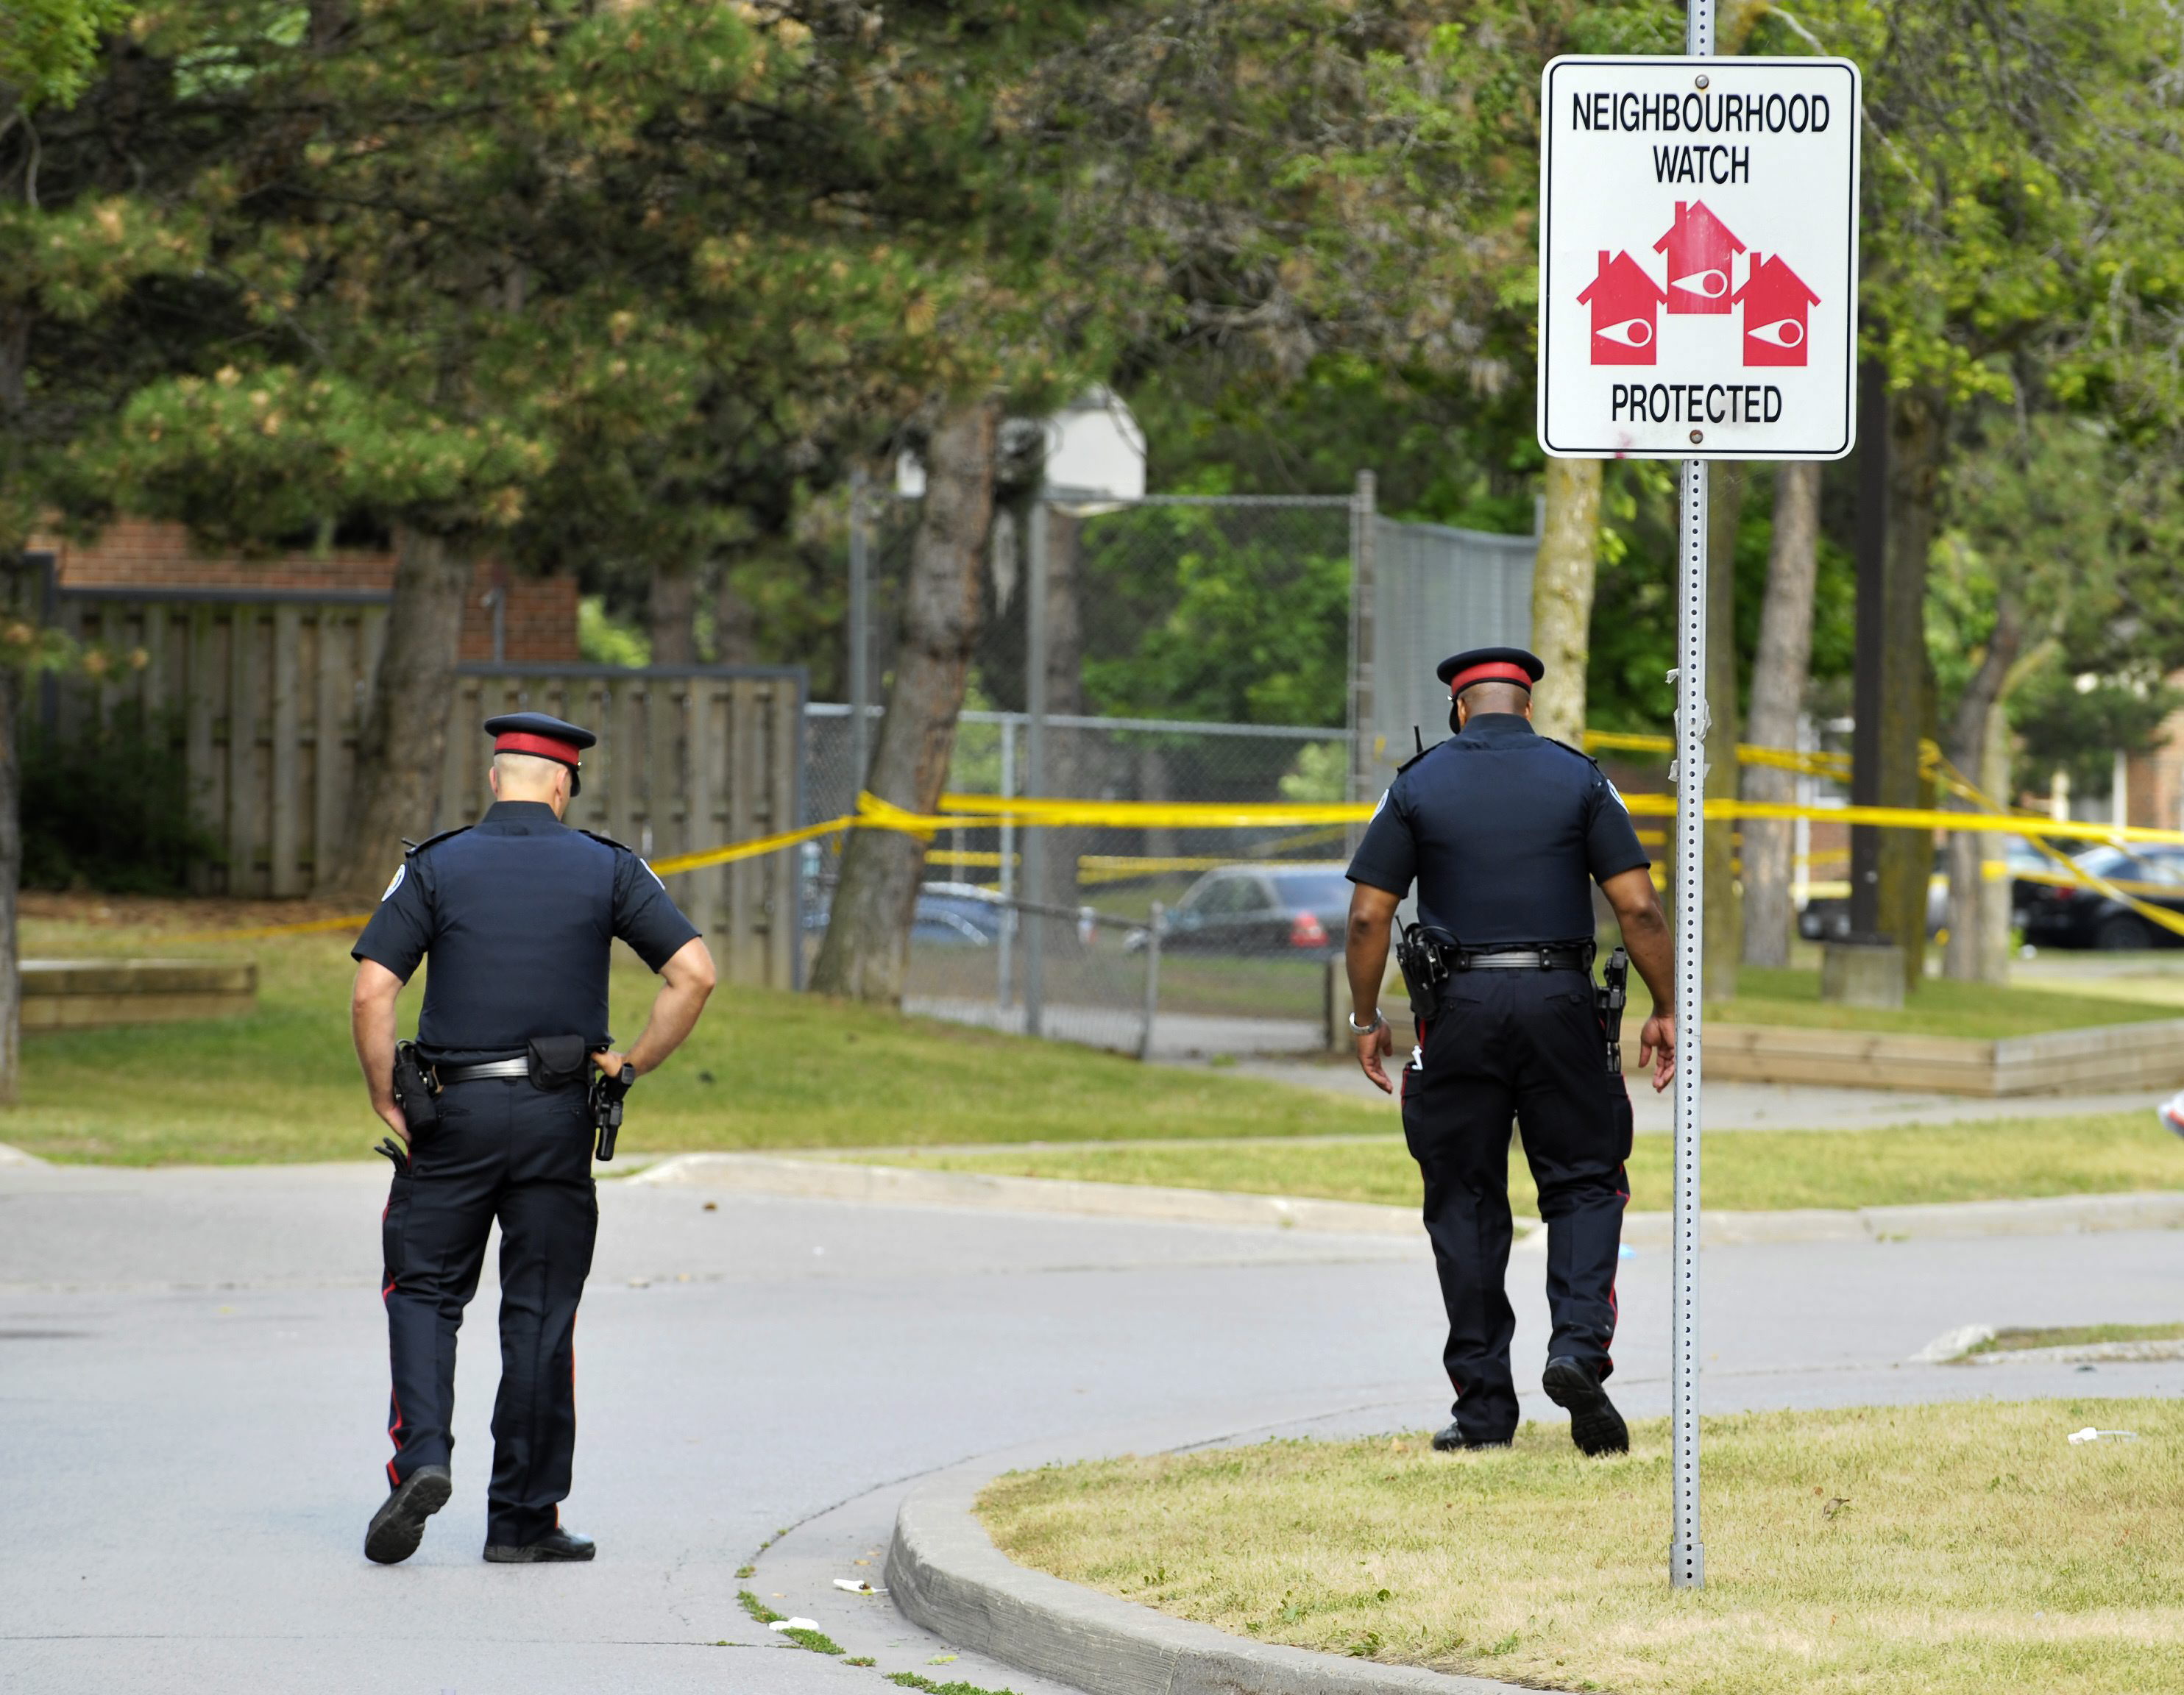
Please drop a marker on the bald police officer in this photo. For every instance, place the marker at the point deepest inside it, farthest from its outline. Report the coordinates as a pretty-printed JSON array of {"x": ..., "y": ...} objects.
[
  {"x": 1502, "y": 830},
  {"x": 519, "y": 914}
]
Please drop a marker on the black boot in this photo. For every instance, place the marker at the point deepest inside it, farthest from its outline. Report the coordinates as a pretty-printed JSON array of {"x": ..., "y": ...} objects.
[
  {"x": 1595, "y": 1425},
  {"x": 556, "y": 1544},
  {"x": 1453, "y": 1438},
  {"x": 398, "y": 1525}
]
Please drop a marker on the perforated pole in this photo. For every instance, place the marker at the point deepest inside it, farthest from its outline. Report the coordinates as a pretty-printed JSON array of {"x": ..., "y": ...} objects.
[{"x": 1686, "y": 1547}]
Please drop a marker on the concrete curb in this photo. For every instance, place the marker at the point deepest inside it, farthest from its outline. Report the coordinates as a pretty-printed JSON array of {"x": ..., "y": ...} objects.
[
  {"x": 901, "y": 1185},
  {"x": 946, "y": 1575},
  {"x": 15, "y": 1156}
]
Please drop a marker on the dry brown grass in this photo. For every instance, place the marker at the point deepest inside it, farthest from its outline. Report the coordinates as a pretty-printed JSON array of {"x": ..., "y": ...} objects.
[{"x": 1929, "y": 1550}]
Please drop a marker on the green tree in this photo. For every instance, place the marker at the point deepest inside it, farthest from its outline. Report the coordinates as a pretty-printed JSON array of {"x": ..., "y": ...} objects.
[
  {"x": 2019, "y": 228},
  {"x": 100, "y": 139}
]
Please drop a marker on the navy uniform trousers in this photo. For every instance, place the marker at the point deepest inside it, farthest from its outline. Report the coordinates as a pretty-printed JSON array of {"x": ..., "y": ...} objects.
[
  {"x": 502, "y": 1150},
  {"x": 1527, "y": 1044}
]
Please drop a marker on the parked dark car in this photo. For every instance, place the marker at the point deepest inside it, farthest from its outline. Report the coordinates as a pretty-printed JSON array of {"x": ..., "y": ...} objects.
[
  {"x": 1297, "y": 911},
  {"x": 1827, "y": 918},
  {"x": 948, "y": 916},
  {"x": 2066, "y": 916}
]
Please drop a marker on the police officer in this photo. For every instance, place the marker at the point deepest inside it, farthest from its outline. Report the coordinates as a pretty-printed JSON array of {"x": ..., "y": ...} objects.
[
  {"x": 1501, "y": 828},
  {"x": 519, "y": 914}
]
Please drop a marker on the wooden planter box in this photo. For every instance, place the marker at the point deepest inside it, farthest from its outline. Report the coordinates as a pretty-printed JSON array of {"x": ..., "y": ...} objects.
[
  {"x": 96, "y": 994},
  {"x": 2106, "y": 1059}
]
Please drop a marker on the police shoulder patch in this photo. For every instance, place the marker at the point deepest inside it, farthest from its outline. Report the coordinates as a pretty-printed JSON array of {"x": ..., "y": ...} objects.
[{"x": 394, "y": 882}]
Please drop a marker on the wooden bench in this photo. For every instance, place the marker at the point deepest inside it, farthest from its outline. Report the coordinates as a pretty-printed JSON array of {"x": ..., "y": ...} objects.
[
  {"x": 2107, "y": 1059},
  {"x": 99, "y": 994}
]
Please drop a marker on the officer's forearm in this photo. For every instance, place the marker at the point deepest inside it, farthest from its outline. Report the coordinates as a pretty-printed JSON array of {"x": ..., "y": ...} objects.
[
  {"x": 1644, "y": 933},
  {"x": 686, "y": 982},
  {"x": 371, "y": 1025},
  {"x": 1365, "y": 956}
]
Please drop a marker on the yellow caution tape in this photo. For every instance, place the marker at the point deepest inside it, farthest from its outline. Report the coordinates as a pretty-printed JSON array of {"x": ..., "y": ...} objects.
[
  {"x": 979, "y": 812},
  {"x": 346, "y": 921}
]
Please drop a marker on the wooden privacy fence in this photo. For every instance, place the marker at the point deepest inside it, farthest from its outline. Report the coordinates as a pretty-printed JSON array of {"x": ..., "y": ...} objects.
[{"x": 262, "y": 696}]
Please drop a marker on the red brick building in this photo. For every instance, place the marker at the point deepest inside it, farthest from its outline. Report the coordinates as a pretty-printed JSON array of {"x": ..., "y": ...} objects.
[{"x": 538, "y": 616}]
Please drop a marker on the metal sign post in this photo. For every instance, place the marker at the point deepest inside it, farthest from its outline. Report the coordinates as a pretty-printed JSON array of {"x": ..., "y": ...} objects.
[
  {"x": 1686, "y": 1547},
  {"x": 1698, "y": 301},
  {"x": 1686, "y": 1551}
]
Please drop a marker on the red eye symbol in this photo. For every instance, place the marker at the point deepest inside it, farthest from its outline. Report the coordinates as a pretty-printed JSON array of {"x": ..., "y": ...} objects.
[
  {"x": 1783, "y": 332},
  {"x": 1632, "y": 332},
  {"x": 1711, "y": 284}
]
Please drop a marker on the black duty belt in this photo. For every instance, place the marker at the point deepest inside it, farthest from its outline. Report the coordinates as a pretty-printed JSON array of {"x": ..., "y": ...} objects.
[
  {"x": 1563, "y": 956},
  {"x": 491, "y": 1068}
]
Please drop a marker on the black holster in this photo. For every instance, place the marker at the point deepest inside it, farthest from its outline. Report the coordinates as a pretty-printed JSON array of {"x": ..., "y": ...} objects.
[
  {"x": 606, "y": 1098},
  {"x": 415, "y": 1089},
  {"x": 1425, "y": 958},
  {"x": 1608, "y": 999}
]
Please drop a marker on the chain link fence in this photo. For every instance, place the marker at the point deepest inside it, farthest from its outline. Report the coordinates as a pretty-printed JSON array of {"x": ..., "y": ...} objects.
[{"x": 1181, "y": 648}]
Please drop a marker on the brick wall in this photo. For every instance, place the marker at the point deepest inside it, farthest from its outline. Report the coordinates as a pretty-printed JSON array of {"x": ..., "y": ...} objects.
[
  {"x": 2156, "y": 779},
  {"x": 539, "y": 617},
  {"x": 538, "y": 621}
]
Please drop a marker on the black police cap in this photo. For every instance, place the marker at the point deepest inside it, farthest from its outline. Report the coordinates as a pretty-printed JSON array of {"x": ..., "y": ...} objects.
[
  {"x": 545, "y": 737},
  {"x": 1489, "y": 666}
]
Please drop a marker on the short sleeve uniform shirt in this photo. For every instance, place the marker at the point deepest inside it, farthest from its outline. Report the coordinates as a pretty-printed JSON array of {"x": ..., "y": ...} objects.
[
  {"x": 519, "y": 915},
  {"x": 1503, "y": 831}
]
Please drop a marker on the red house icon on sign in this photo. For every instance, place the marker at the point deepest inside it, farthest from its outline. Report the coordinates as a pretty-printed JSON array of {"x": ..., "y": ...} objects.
[
  {"x": 1626, "y": 306},
  {"x": 1702, "y": 259},
  {"x": 1775, "y": 301}
]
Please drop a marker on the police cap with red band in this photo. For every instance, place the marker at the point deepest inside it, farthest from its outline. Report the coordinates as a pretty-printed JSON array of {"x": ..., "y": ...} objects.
[
  {"x": 544, "y": 736},
  {"x": 1489, "y": 666}
]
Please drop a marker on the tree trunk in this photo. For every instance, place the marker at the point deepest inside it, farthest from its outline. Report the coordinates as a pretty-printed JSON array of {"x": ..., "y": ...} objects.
[
  {"x": 1724, "y": 927},
  {"x": 1779, "y": 674},
  {"x": 1969, "y": 850},
  {"x": 866, "y": 950},
  {"x": 1562, "y": 596},
  {"x": 403, "y": 742},
  {"x": 11, "y": 872},
  {"x": 1918, "y": 439},
  {"x": 671, "y": 610},
  {"x": 1069, "y": 765},
  {"x": 735, "y": 625},
  {"x": 1994, "y": 913}
]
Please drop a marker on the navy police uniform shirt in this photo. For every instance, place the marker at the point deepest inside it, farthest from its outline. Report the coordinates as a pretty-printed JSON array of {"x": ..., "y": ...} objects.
[
  {"x": 519, "y": 914},
  {"x": 1504, "y": 831}
]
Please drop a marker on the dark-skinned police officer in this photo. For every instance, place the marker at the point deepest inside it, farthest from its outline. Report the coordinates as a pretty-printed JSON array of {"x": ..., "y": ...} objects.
[
  {"x": 1504, "y": 830},
  {"x": 519, "y": 914}
]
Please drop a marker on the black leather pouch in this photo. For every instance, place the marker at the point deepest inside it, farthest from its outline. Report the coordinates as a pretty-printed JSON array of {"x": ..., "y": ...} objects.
[{"x": 557, "y": 1062}]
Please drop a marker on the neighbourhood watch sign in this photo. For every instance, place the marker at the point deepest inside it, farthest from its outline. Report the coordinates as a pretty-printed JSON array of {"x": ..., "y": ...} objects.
[{"x": 1698, "y": 257}]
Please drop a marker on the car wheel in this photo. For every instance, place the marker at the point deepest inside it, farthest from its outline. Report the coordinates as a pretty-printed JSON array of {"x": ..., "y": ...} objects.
[{"x": 2123, "y": 933}]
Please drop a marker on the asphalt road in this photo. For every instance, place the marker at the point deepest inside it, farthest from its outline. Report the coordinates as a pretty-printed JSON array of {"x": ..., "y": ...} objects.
[{"x": 192, "y": 1395}]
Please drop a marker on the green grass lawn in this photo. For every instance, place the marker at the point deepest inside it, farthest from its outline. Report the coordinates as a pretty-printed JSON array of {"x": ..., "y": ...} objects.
[
  {"x": 764, "y": 1069},
  {"x": 1745, "y": 1171},
  {"x": 2074, "y": 1336},
  {"x": 1959, "y": 1549}
]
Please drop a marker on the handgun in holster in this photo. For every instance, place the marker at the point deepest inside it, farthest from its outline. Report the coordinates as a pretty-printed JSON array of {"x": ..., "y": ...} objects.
[
  {"x": 1609, "y": 997},
  {"x": 1425, "y": 957},
  {"x": 606, "y": 1096},
  {"x": 416, "y": 1091}
]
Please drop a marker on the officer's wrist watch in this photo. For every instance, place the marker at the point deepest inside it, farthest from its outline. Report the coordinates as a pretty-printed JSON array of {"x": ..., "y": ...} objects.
[{"x": 1358, "y": 1029}]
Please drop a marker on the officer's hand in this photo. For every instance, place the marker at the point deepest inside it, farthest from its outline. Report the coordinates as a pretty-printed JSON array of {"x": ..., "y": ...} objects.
[
  {"x": 610, "y": 1062},
  {"x": 391, "y": 1115},
  {"x": 1373, "y": 1046},
  {"x": 1657, "y": 1047}
]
